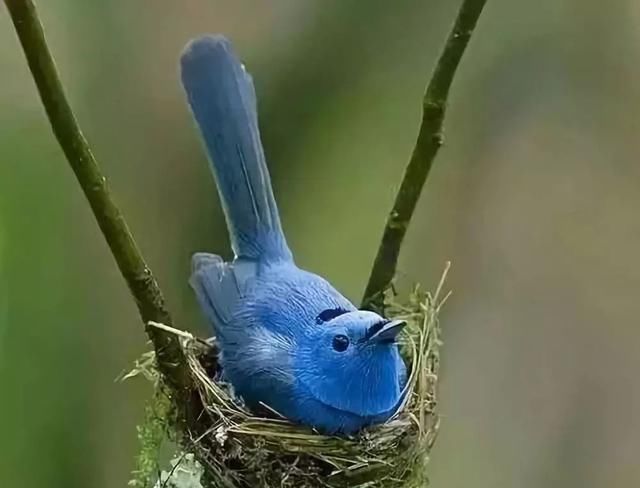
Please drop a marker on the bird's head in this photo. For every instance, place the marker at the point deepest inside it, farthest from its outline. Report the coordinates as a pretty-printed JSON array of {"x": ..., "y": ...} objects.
[{"x": 350, "y": 361}]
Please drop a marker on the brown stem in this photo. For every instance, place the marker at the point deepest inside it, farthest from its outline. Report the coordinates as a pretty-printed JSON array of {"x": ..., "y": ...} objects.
[
  {"x": 135, "y": 271},
  {"x": 430, "y": 138}
]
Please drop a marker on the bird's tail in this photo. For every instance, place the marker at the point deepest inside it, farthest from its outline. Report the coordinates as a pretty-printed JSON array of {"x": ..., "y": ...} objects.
[{"x": 223, "y": 103}]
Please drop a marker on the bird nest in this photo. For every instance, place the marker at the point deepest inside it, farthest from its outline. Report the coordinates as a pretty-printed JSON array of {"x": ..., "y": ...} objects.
[{"x": 238, "y": 448}]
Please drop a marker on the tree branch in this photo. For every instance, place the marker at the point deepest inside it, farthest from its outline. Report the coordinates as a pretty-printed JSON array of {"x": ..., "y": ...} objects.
[
  {"x": 430, "y": 138},
  {"x": 135, "y": 271}
]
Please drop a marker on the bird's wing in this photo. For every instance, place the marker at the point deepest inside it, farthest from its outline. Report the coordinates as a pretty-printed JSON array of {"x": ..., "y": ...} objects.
[{"x": 219, "y": 286}]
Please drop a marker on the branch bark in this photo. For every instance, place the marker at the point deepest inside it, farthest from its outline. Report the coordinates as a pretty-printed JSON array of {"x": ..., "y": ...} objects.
[
  {"x": 430, "y": 139},
  {"x": 143, "y": 286}
]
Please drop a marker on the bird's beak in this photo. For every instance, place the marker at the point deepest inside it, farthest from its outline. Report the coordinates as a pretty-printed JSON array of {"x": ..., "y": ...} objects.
[{"x": 389, "y": 331}]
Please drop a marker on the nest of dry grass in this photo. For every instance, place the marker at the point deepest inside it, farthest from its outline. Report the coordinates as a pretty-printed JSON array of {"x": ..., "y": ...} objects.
[{"x": 240, "y": 449}]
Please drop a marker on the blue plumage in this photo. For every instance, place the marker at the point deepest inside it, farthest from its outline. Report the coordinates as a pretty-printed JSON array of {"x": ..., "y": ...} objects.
[{"x": 288, "y": 338}]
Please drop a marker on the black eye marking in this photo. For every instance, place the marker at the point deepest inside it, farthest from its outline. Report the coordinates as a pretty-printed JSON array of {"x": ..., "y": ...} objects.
[
  {"x": 329, "y": 314},
  {"x": 374, "y": 329},
  {"x": 340, "y": 343}
]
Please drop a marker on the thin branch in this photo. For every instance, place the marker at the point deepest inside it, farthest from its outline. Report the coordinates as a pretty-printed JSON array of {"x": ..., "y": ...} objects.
[
  {"x": 430, "y": 138},
  {"x": 135, "y": 271}
]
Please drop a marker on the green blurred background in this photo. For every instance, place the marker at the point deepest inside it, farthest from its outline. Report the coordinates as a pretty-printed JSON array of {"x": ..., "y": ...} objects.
[{"x": 534, "y": 199}]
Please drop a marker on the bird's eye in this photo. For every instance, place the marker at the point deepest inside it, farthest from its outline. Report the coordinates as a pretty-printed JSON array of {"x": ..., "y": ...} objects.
[{"x": 340, "y": 343}]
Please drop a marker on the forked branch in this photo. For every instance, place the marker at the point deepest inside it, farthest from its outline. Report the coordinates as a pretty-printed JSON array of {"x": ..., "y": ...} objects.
[{"x": 147, "y": 294}]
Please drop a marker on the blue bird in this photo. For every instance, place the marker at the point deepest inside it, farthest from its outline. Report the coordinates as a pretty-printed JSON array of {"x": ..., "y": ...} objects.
[{"x": 288, "y": 339}]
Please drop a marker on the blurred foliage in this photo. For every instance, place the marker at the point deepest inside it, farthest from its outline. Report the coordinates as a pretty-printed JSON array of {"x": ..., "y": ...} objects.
[{"x": 533, "y": 198}]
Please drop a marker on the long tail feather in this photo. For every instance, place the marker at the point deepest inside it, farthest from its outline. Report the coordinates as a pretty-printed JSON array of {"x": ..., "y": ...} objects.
[{"x": 223, "y": 102}]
